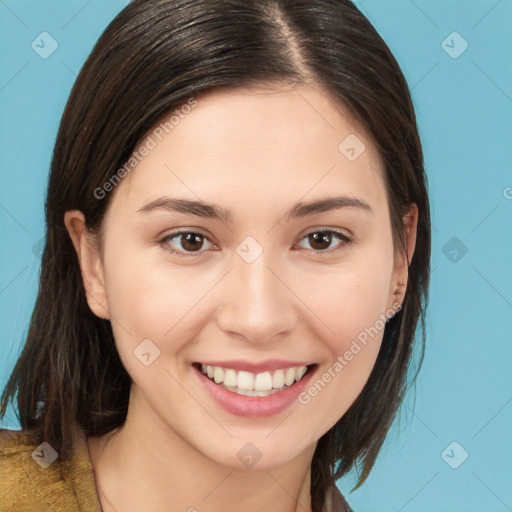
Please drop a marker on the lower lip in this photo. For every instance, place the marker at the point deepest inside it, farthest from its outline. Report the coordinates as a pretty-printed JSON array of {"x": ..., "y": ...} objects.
[{"x": 255, "y": 406}]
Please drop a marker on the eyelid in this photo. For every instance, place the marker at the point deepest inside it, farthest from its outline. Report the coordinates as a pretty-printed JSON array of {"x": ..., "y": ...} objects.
[
  {"x": 184, "y": 231},
  {"x": 320, "y": 229},
  {"x": 344, "y": 239}
]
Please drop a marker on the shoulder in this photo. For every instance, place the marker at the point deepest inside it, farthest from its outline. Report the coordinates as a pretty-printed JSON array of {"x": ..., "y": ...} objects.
[
  {"x": 16, "y": 448},
  {"x": 32, "y": 476}
]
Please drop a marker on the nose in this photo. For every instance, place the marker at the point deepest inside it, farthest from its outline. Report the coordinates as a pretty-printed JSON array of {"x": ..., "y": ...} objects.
[{"x": 255, "y": 303}]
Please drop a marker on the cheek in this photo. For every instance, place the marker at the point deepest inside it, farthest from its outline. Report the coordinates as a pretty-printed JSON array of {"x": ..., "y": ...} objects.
[
  {"x": 353, "y": 309},
  {"x": 351, "y": 298},
  {"x": 151, "y": 298},
  {"x": 146, "y": 298}
]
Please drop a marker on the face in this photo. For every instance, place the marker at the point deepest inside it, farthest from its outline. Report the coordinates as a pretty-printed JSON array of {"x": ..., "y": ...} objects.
[{"x": 256, "y": 283}]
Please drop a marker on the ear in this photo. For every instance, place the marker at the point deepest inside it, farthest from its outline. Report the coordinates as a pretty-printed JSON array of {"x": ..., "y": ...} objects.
[
  {"x": 403, "y": 257},
  {"x": 90, "y": 262}
]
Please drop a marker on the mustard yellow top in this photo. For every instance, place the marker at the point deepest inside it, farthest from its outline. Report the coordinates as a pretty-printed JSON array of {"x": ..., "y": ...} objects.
[
  {"x": 33, "y": 479},
  {"x": 27, "y": 486}
]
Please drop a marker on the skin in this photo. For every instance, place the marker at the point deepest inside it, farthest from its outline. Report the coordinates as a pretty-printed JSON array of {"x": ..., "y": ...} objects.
[{"x": 257, "y": 153}]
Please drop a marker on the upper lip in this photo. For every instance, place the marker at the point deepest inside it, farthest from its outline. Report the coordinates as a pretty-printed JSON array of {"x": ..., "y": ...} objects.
[{"x": 269, "y": 365}]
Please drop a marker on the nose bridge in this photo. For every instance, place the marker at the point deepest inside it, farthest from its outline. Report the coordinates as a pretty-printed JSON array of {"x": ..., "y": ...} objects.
[{"x": 256, "y": 303}]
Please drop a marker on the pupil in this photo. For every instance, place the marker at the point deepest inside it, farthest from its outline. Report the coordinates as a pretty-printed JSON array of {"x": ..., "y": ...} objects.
[
  {"x": 324, "y": 238},
  {"x": 193, "y": 241}
]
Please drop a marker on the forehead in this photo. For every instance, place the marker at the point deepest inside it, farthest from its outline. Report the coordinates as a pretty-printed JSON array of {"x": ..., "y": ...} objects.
[{"x": 256, "y": 147}]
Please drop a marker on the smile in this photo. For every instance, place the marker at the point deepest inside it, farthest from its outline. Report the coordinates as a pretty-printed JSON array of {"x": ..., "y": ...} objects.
[
  {"x": 255, "y": 390},
  {"x": 254, "y": 384}
]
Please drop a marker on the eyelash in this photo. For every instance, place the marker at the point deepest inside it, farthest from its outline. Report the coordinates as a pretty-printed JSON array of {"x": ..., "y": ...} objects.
[{"x": 338, "y": 234}]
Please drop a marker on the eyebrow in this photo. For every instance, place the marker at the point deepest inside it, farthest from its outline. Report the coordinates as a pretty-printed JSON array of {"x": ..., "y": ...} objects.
[{"x": 212, "y": 211}]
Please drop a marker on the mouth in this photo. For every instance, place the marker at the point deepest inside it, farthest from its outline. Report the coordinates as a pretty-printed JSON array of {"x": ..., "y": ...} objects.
[{"x": 251, "y": 384}]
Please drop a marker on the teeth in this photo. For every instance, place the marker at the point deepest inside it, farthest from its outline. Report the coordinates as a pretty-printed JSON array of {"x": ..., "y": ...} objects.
[
  {"x": 300, "y": 373},
  {"x": 245, "y": 380},
  {"x": 218, "y": 375},
  {"x": 289, "y": 376},
  {"x": 278, "y": 379},
  {"x": 230, "y": 378},
  {"x": 261, "y": 383}
]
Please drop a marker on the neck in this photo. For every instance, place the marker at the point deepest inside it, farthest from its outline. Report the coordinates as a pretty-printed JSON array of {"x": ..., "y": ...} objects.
[{"x": 162, "y": 471}]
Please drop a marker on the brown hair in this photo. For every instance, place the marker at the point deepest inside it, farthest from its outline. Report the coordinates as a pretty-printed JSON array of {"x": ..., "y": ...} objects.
[{"x": 153, "y": 57}]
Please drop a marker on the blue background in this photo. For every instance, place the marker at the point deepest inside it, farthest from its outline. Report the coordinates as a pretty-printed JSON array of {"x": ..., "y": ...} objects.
[{"x": 464, "y": 106}]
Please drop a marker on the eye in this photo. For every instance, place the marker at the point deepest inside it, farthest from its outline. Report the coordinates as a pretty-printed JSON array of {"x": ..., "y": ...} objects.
[
  {"x": 320, "y": 240},
  {"x": 191, "y": 242}
]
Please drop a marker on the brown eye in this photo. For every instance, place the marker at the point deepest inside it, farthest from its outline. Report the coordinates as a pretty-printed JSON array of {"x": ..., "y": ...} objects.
[
  {"x": 320, "y": 241},
  {"x": 184, "y": 242},
  {"x": 192, "y": 242}
]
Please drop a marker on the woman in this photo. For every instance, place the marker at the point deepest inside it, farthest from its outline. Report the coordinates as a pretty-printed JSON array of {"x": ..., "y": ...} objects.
[{"x": 237, "y": 256}]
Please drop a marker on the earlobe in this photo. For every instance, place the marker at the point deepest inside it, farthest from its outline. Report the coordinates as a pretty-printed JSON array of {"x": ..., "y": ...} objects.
[
  {"x": 91, "y": 266},
  {"x": 404, "y": 257},
  {"x": 410, "y": 221}
]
